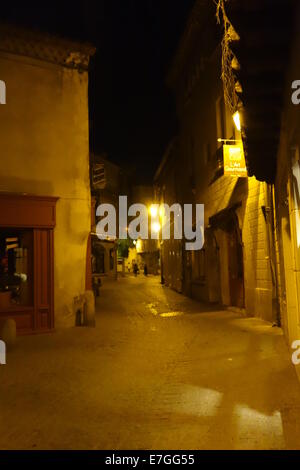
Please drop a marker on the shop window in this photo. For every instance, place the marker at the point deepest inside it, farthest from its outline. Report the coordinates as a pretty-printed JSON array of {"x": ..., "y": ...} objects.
[{"x": 16, "y": 268}]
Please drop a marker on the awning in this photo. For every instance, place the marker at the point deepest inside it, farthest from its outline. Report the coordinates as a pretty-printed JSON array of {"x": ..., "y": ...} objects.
[{"x": 225, "y": 217}]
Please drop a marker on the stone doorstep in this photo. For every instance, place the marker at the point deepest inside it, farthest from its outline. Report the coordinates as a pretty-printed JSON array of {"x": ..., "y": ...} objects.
[{"x": 241, "y": 311}]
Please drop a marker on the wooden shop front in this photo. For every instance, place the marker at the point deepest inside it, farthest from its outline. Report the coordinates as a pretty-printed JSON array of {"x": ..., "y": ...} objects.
[{"x": 27, "y": 261}]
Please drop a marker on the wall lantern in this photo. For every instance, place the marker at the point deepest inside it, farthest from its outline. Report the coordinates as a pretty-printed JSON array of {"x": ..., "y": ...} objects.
[{"x": 237, "y": 120}]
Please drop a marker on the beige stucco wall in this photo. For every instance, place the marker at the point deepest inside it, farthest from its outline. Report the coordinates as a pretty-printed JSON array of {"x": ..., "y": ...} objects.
[{"x": 45, "y": 151}]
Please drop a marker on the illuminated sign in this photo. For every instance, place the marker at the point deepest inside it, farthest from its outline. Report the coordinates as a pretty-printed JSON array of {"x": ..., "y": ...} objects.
[{"x": 234, "y": 160}]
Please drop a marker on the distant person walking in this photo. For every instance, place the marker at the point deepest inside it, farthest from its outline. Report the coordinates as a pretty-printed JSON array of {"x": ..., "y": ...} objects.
[
  {"x": 135, "y": 269},
  {"x": 145, "y": 270}
]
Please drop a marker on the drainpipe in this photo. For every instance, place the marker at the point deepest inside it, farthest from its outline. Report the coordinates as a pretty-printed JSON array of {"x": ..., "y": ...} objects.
[{"x": 269, "y": 216}]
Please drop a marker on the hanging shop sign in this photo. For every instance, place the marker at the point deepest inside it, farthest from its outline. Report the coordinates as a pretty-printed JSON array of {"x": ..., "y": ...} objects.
[
  {"x": 234, "y": 160},
  {"x": 99, "y": 179}
]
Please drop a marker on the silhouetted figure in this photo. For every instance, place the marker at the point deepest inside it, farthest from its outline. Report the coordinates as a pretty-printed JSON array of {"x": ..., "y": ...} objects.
[
  {"x": 145, "y": 270},
  {"x": 135, "y": 269}
]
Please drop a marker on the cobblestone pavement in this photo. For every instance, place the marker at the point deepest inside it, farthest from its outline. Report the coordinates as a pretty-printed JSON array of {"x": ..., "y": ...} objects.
[{"x": 159, "y": 371}]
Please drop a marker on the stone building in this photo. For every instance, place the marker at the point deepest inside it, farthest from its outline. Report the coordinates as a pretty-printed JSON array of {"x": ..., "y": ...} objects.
[
  {"x": 286, "y": 191},
  {"x": 272, "y": 133},
  {"x": 146, "y": 251},
  {"x": 235, "y": 268},
  {"x": 45, "y": 200},
  {"x": 108, "y": 181},
  {"x": 168, "y": 190}
]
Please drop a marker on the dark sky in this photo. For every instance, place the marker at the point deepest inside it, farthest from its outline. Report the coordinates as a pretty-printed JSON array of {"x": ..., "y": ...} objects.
[{"x": 132, "y": 110}]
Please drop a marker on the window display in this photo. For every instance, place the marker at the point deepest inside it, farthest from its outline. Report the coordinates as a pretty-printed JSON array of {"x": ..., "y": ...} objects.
[{"x": 16, "y": 268}]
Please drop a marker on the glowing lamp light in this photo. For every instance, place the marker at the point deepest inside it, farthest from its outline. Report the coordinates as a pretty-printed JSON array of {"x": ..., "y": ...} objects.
[
  {"x": 156, "y": 227},
  {"x": 153, "y": 211},
  {"x": 134, "y": 242},
  {"x": 161, "y": 211},
  {"x": 237, "y": 121}
]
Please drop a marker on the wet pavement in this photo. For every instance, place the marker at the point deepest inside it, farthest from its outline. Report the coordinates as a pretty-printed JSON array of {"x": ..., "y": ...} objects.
[{"x": 159, "y": 371}]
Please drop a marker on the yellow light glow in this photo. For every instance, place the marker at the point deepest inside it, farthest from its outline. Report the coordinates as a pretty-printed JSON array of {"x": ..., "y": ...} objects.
[
  {"x": 171, "y": 314},
  {"x": 153, "y": 211},
  {"x": 155, "y": 227},
  {"x": 237, "y": 121},
  {"x": 161, "y": 211}
]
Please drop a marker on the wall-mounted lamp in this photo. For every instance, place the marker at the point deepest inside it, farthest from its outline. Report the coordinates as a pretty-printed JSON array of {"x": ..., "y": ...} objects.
[{"x": 237, "y": 120}]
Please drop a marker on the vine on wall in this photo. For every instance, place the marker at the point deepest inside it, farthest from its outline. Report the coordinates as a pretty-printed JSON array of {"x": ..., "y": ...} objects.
[{"x": 228, "y": 78}]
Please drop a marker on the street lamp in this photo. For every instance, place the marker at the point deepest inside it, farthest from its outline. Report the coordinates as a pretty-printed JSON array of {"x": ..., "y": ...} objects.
[
  {"x": 237, "y": 120},
  {"x": 153, "y": 210},
  {"x": 156, "y": 227}
]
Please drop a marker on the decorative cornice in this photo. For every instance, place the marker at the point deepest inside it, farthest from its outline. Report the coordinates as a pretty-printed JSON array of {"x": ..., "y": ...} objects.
[{"x": 46, "y": 47}]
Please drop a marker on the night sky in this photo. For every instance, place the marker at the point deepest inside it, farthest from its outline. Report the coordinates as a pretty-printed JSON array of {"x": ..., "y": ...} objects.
[{"x": 132, "y": 112}]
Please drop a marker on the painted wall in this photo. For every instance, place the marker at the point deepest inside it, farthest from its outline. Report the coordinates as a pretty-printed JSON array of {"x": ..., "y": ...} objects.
[{"x": 45, "y": 151}]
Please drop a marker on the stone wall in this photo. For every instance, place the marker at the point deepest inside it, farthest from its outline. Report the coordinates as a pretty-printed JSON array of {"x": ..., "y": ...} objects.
[{"x": 193, "y": 172}]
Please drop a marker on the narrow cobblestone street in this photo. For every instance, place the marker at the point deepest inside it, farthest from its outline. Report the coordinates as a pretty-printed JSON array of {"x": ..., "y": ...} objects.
[{"x": 159, "y": 371}]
